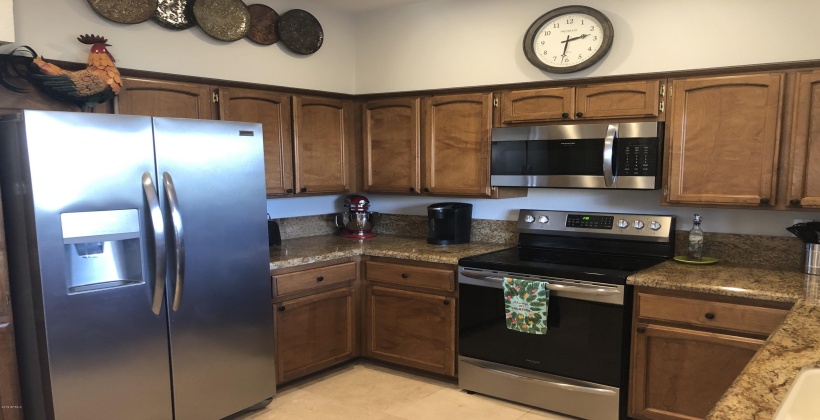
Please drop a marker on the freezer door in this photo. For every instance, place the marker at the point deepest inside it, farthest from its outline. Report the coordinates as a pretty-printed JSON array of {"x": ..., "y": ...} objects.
[
  {"x": 91, "y": 340},
  {"x": 219, "y": 290}
]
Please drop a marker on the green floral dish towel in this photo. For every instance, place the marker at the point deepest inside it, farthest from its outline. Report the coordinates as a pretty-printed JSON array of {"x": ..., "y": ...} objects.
[{"x": 525, "y": 302}]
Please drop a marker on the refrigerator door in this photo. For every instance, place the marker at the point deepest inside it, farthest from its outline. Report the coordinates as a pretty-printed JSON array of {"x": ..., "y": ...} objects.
[
  {"x": 91, "y": 346},
  {"x": 219, "y": 290}
]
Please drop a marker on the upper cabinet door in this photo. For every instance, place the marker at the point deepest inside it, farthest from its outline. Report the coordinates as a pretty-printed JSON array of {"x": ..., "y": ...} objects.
[
  {"x": 457, "y": 144},
  {"x": 804, "y": 180},
  {"x": 549, "y": 104},
  {"x": 165, "y": 99},
  {"x": 322, "y": 132},
  {"x": 618, "y": 100},
  {"x": 723, "y": 141},
  {"x": 392, "y": 146},
  {"x": 272, "y": 110}
]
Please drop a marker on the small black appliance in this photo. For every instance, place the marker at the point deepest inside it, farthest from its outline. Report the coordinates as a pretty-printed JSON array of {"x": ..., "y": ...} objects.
[{"x": 449, "y": 223}]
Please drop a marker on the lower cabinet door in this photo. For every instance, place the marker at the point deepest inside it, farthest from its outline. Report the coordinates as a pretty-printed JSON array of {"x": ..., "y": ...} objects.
[
  {"x": 314, "y": 332},
  {"x": 680, "y": 374},
  {"x": 412, "y": 329}
]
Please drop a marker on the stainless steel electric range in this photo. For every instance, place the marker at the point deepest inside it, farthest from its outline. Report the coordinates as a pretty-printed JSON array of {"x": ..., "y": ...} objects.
[{"x": 580, "y": 366}]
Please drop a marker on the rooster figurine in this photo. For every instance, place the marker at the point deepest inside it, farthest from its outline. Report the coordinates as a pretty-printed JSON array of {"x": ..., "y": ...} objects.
[{"x": 97, "y": 83}]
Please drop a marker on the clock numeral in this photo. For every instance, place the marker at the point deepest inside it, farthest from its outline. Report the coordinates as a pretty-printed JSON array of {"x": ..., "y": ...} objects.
[
  {"x": 566, "y": 60},
  {"x": 556, "y": 25},
  {"x": 592, "y": 28},
  {"x": 589, "y": 49},
  {"x": 595, "y": 38},
  {"x": 547, "y": 33},
  {"x": 554, "y": 57},
  {"x": 545, "y": 52},
  {"x": 570, "y": 21},
  {"x": 543, "y": 42},
  {"x": 580, "y": 56}
]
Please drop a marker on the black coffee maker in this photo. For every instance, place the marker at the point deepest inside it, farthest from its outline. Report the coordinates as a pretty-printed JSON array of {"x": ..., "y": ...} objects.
[{"x": 449, "y": 223}]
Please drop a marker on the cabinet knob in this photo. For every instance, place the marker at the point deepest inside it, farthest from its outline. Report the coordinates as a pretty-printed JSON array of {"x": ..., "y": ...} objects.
[
  {"x": 404, "y": 275},
  {"x": 289, "y": 190},
  {"x": 412, "y": 189},
  {"x": 764, "y": 201},
  {"x": 303, "y": 189},
  {"x": 320, "y": 278},
  {"x": 426, "y": 189},
  {"x": 710, "y": 315},
  {"x": 565, "y": 115},
  {"x": 794, "y": 202},
  {"x": 579, "y": 114},
  {"x": 446, "y": 301},
  {"x": 282, "y": 308},
  {"x": 641, "y": 330}
]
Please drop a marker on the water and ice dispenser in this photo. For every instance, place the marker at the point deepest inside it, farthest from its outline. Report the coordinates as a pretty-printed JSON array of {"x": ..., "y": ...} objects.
[{"x": 101, "y": 249}]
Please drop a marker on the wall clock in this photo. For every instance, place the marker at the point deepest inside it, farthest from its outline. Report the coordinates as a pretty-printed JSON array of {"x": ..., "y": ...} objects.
[{"x": 568, "y": 39}]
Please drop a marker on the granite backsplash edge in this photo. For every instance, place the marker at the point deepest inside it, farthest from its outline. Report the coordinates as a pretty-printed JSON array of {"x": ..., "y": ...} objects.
[{"x": 780, "y": 252}]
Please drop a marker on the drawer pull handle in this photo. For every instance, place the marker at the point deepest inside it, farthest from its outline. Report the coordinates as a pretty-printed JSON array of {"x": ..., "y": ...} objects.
[
  {"x": 446, "y": 302},
  {"x": 641, "y": 330},
  {"x": 404, "y": 275},
  {"x": 320, "y": 278},
  {"x": 282, "y": 308},
  {"x": 710, "y": 315}
]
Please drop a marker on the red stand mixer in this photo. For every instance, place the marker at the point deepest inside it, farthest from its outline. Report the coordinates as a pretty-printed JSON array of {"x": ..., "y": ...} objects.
[{"x": 356, "y": 221}]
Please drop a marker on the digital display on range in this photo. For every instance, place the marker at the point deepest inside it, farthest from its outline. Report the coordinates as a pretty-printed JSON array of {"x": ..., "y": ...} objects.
[{"x": 587, "y": 221}]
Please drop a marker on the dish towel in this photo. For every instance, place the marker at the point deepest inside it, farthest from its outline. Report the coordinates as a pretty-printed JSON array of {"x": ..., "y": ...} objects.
[{"x": 525, "y": 303}]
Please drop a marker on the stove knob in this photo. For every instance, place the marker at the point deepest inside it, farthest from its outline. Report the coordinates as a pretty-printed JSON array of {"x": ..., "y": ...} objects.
[
  {"x": 529, "y": 219},
  {"x": 543, "y": 219},
  {"x": 638, "y": 224},
  {"x": 623, "y": 224},
  {"x": 654, "y": 225}
]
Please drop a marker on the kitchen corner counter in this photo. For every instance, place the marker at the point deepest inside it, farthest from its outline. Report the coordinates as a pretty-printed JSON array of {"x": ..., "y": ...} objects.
[
  {"x": 299, "y": 251},
  {"x": 761, "y": 387}
]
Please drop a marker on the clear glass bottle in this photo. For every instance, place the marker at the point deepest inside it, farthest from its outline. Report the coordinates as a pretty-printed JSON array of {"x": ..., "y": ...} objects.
[{"x": 695, "y": 240}]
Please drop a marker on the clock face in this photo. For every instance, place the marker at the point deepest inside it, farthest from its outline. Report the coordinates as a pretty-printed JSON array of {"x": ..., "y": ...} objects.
[{"x": 568, "y": 39}]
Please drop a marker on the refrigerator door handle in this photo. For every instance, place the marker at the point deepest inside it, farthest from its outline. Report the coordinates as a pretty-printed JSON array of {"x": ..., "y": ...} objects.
[
  {"x": 155, "y": 214},
  {"x": 179, "y": 241}
]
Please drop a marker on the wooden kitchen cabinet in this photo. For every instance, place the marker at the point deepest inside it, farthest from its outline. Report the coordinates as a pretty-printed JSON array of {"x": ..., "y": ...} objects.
[
  {"x": 723, "y": 139},
  {"x": 322, "y": 138},
  {"x": 641, "y": 99},
  {"x": 687, "y": 350},
  {"x": 159, "y": 98},
  {"x": 272, "y": 110},
  {"x": 457, "y": 144},
  {"x": 804, "y": 179},
  {"x": 315, "y": 319},
  {"x": 10, "y": 400},
  {"x": 391, "y": 131},
  {"x": 411, "y": 315}
]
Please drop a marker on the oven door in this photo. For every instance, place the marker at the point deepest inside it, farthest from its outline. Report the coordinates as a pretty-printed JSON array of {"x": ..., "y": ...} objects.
[{"x": 587, "y": 328}]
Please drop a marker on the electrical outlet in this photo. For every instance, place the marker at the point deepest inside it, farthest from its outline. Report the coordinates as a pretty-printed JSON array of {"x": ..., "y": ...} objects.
[{"x": 796, "y": 221}]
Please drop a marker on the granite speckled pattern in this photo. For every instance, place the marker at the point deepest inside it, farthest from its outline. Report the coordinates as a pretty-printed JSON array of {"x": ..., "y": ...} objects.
[
  {"x": 760, "y": 388},
  {"x": 772, "y": 251},
  {"x": 728, "y": 279},
  {"x": 294, "y": 252}
]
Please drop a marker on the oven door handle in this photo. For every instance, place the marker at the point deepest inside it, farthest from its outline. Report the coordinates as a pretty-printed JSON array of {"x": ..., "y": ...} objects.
[
  {"x": 563, "y": 385},
  {"x": 609, "y": 145},
  {"x": 589, "y": 290}
]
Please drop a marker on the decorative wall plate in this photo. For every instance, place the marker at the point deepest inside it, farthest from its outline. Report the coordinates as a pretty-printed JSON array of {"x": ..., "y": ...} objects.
[
  {"x": 225, "y": 20},
  {"x": 300, "y": 31},
  {"x": 263, "y": 24},
  {"x": 175, "y": 14},
  {"x": 124, "y": 11}
]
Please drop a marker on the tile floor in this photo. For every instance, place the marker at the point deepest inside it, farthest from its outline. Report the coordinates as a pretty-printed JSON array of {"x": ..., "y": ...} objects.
[{"x": 365, "y": 391}]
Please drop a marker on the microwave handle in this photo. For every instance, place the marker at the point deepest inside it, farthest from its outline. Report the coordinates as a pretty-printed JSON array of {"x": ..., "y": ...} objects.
[{"x": 609, "y": 145}]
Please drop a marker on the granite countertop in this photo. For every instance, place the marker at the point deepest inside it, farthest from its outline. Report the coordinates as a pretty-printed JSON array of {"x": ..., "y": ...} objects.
[
  {"x": 764, "y": 382},
  {"x": 299, "y": 251}
]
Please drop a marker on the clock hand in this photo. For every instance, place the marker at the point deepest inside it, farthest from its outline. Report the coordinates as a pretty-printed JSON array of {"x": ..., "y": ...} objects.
[
  {"x": 566, "y": 44},
  {"x": 573, "y": 39}
]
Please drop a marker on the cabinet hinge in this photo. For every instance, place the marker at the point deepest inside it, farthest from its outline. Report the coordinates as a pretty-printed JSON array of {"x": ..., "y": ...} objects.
[
  {"x": 660, "y": 107},
  {"x": 215, "y": 97},
  {"x": 666, "y": 191},
  {"x": 663, "y": 90},
  {"x": 495, "y": 102}
]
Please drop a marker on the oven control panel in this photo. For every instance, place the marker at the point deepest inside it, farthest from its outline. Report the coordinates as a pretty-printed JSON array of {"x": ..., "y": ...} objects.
[{"x": 596, "y": 224}]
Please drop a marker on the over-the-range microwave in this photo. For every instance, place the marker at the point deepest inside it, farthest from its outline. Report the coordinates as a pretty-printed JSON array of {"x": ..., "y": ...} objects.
[{"x": 618, "y": 156}]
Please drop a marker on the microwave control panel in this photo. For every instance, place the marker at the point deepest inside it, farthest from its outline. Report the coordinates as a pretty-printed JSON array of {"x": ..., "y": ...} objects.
[{"x": 637, "y": 157}]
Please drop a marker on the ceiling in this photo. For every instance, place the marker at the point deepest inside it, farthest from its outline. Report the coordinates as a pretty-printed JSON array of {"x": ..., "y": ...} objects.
[{"x": 361, "y": 6}]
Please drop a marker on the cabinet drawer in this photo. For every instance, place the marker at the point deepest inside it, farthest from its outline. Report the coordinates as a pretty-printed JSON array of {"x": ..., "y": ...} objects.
[
  {"x": 430, "y": 278},
  {"x": 313, "y": 278},
  {"x": 730, "y": 316}
]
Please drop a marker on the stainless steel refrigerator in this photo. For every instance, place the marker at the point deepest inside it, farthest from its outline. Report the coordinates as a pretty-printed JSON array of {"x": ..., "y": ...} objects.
[{"x": 139, "y": 265}]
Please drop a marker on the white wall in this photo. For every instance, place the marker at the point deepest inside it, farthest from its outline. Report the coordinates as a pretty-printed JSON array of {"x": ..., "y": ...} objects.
[
  {"x": 52, "y": 26},
  {"x": 450, "y": 43}
]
